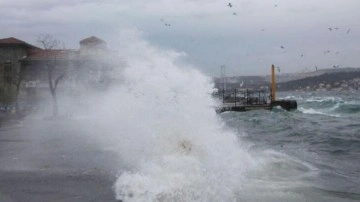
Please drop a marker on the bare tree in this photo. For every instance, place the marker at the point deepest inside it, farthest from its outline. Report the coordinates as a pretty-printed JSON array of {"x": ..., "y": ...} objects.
[
  {"x": 55, "y": 72},
  {"x": 17, "y": 82}
]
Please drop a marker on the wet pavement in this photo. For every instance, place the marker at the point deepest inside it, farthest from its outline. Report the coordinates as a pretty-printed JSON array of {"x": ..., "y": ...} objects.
[
  {"x": 53, "y": 161},
  {"x": 19, "y": 186}
]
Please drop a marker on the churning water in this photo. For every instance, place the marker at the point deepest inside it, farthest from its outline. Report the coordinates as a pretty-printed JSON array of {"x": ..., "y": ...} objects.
[
  {"x": 168, "y": 135},
  {"x": 174, "y": 147},
  {"x": 315, "y": 149}
]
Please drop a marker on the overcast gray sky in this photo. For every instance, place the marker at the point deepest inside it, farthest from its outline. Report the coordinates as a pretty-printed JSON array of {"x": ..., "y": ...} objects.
[{"x": 247, "y": 37}]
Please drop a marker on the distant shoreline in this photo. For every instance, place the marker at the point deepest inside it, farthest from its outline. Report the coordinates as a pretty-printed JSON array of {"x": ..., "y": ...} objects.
[{"x": 323, "y": 79}]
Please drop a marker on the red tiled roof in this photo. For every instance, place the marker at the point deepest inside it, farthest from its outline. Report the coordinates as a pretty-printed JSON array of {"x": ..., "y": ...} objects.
[
  {"x": 59, "y": 54},
  {"x": 15, "y": 41},
  {"x": 11, "y": 40},
  {"x": 92, "y": 39}
]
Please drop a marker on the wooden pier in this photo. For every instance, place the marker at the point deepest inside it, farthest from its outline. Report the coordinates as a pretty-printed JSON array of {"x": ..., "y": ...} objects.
[{"x": 242, "y": 100}]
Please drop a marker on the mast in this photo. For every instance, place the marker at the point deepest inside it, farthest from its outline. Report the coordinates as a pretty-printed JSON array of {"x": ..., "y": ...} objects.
[{"x": 273, "y": 83}]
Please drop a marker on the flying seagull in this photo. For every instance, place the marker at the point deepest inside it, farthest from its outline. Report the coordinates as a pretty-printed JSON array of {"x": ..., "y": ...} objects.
[
  {"x": 348, "y": 31},
  {"x": 282, "y": 47},
  {"x": 330, "y": 28},
  {"x": 230, "y": 5}
]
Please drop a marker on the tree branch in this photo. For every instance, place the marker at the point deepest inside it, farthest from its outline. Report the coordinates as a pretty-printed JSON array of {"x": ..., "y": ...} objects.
[
  {"x": 58, "y": 79},
  {"x": 48, "y": 41}
]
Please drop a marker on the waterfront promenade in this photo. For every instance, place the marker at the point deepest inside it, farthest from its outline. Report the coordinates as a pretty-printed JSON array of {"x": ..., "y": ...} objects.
[{"x": 51, "y": 163}]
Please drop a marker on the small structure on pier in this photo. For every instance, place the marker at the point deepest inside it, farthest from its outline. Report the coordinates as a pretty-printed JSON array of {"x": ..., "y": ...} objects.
[{"x": 244, "y": 99}]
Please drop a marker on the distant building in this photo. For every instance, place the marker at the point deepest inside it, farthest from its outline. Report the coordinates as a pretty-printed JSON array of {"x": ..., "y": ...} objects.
[
  {"x": 19, "y": 60},
  {"x": 92, "y": 46},
  {"x": 12, "y": 50}
]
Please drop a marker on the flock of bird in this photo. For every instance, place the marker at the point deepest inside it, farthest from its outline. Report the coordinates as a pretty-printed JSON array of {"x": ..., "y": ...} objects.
[
  {"x": 165, "y": 23},
  {"x": 326, "y": 52},
  {"x": 230, "y": 5}
]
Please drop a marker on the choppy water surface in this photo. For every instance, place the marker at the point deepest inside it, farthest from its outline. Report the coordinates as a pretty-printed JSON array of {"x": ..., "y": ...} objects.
[
  {"x": 311, "y": 154},
  {"x": 176, "y": 148}
]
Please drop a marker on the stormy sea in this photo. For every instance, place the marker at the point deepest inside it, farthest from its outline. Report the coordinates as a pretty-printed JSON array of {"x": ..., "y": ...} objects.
[
  {"x": 157, "y": 137},
  {"x": 310, "y": 154}
]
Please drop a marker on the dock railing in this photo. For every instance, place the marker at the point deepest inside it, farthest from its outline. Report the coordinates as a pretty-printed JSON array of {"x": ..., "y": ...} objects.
[{"x": 243, "y": 97}]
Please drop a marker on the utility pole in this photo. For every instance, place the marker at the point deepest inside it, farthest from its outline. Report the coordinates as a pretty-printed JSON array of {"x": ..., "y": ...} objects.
[{"x": 223, "y": 79}]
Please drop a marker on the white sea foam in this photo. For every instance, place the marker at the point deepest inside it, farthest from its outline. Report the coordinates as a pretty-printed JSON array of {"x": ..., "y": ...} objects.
[
  {"x": 324, "y": 99},
  {"x": 162, "y": 123},
  {"x": 314, "y": 111},
  {"x": 335, "y": 107},
  {"x": 291, "y": 97}
]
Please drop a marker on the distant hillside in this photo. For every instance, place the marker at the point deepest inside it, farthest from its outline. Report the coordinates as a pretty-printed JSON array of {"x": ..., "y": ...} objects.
[
  {"x": 280, "y": 78},
  {"x": 326, "y": 79},
  {"x": 342, "y": 80}
]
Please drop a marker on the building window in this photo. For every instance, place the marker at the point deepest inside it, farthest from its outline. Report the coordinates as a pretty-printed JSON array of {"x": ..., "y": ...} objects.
[{"x": 7, "y": 73}]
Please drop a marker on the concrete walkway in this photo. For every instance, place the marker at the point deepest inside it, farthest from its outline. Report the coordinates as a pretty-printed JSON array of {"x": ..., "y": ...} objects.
[{"x": 43, "y": 161}]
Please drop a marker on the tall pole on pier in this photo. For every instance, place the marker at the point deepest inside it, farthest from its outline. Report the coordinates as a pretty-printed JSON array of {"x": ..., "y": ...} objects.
[
  {"x": 273, "y": 83},
  {"x": 223, "y": 77}
]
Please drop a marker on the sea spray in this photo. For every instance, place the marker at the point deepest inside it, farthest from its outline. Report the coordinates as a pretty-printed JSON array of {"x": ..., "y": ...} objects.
[{"x": 162, "y": 122}]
